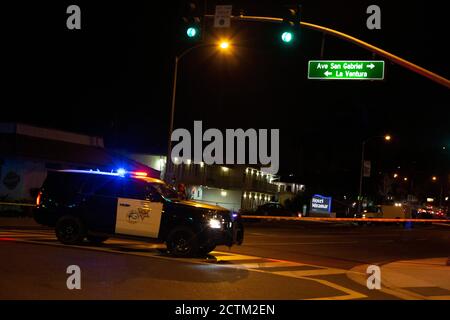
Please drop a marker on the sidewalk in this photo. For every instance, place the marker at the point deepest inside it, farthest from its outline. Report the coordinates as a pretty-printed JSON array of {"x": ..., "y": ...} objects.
[{"x": 427, "y": 279}]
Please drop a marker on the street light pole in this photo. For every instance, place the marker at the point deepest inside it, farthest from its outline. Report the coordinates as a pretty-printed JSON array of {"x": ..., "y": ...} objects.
[
  {"x": 174, "y": 95},
  {"x": 172, "y": 113},
  {"x": 361, "y": 176},
  {"x": 440, "y": 180}
]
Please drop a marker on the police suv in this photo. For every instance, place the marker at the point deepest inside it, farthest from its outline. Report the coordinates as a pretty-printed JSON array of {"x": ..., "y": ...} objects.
[{"x": 97, "y": 205}]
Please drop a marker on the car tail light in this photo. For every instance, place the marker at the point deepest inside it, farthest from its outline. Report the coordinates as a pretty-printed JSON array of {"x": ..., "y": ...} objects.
[{"x": 38, "y": 199}]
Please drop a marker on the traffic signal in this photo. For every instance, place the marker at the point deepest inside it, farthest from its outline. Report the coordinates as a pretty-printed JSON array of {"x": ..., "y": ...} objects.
[
  {"x": 192, "y": 20},
  {"x": 290, "y": 27}
]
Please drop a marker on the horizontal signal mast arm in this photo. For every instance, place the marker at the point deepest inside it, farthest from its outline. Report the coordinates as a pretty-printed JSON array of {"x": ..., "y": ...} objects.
[{"x": 383, "y": 53}]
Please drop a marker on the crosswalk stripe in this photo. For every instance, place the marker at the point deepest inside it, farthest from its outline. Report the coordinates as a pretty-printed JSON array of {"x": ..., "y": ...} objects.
[
  {"x": 13, "y": 235},
  {"x": 233, "y": 257},
  {"x": 310, "y": 273},
  {"x": 264, "y": 264}
]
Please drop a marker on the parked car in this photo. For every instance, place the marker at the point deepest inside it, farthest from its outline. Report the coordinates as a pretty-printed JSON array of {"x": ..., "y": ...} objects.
[{"x": 274, "y": 209}]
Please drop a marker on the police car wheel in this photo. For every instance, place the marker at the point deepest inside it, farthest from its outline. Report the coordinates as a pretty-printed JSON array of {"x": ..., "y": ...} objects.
[
  {"x": 69, "y": 230},
  {"x": 182, "y": 242},
  {"x": 96, "y": 240}
]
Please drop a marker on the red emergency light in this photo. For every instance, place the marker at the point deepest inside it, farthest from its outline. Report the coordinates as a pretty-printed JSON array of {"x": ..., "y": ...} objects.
[{"x": 139, "y": 173}]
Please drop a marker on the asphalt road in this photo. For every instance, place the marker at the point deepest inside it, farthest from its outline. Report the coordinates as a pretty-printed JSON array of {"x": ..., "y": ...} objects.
[{"x": 306, "y": 261}]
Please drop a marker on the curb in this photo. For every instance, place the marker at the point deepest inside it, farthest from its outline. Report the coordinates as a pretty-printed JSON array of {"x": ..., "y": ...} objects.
[{"x": 358, "y": 275}]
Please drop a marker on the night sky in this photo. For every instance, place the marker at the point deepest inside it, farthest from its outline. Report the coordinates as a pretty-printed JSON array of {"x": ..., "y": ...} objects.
[{"x": 113, "y": 78}]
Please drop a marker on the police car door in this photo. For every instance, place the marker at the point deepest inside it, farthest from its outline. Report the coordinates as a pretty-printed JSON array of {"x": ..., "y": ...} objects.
[{"x": 137, "y": 214}]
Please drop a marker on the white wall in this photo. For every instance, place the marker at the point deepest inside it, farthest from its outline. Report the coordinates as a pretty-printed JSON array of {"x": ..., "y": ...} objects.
[{"x": 19, "y": 176}]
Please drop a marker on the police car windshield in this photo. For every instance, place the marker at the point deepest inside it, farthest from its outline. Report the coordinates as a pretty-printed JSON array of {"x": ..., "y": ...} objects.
[{"x": 166, "y": 191}]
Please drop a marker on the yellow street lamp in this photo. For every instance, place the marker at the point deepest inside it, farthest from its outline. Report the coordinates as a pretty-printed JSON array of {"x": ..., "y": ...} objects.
[
  {"x": 387, "y": 137},
  {"x": 434, "y": 178},
  {"x": 224, "y": 45}
]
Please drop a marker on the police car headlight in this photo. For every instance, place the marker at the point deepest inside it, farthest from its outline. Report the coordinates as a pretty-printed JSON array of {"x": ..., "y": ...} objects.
[{"x": 215, "y": 223}]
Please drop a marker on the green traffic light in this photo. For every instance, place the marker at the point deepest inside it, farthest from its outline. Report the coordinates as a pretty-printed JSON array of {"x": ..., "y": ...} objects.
[
  {"x": 287, "y": 36},
  {"x": 191, "y": 32}
]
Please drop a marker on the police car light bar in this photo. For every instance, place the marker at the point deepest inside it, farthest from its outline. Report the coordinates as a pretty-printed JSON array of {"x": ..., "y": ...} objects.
[
  {"x": 121, "y": 171},
  {"x": 139, "y": 173}
]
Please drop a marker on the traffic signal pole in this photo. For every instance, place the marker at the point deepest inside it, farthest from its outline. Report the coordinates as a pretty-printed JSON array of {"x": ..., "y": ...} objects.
[{"x": 383, "y": 53}]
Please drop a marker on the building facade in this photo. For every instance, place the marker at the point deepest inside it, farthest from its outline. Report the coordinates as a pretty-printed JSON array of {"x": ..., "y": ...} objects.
[
  {"x": 234, "y": 187},
  {"x": 287, "y": 190},
  {"x": 28, "y": 152}
]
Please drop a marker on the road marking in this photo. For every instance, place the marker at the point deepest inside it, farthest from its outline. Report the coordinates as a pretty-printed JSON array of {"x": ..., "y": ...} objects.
[
  {"x": 351, "y": 294},
  {"x": 26, "y": 235},
  {"x": 232, "y": 258},
  {"x": 299, "y": 274},
  {"x": 262, "y": 264},
  {"x": 256, "y": 234},
  {"x": 298, "y": 243},
  {"x": 311, "y": 273},
  {"x": 18, "y": 232},
  {"x": 358, "y": 275},
  {"x": 442, "y": 224}
]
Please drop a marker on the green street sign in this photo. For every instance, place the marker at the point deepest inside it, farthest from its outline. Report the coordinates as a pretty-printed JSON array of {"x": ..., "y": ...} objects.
[{"x": 345, "y": 70}]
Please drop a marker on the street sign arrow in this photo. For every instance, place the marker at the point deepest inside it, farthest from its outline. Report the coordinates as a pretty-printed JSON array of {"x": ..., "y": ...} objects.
[{"x": 346, "y": 69}]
